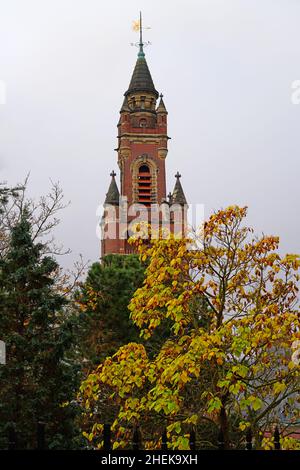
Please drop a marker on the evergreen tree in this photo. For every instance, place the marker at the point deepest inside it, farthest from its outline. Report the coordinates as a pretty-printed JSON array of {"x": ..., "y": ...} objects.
[
  {"x": 104, "y": 323},
  {"x": 36, "y": 379}
]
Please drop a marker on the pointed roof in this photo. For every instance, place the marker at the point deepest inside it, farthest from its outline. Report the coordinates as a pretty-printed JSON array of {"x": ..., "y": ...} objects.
[
  {"x": 161, "y": 106},
  {"x": 112, "y": 195},
  {"x": 141, "y": 79},
  {"x": 178, "y": 196}
]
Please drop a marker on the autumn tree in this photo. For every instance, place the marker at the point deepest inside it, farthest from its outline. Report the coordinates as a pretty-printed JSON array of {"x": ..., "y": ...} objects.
[{"x": 230, "y": 358}]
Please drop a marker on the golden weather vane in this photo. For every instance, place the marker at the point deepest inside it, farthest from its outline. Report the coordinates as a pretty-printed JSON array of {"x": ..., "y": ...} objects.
[{"x": 137, "y": 26}]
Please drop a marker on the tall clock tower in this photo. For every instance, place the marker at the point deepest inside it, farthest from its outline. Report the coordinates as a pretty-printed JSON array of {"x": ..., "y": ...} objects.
[{"x": 142, "y": 151}]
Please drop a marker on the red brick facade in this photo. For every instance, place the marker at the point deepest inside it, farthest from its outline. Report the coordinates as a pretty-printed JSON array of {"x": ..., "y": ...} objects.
[{"x": 142, "y": 150}]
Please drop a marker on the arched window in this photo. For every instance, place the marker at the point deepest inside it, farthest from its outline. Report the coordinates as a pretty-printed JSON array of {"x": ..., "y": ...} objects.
[{"x": 144, "y": 185}]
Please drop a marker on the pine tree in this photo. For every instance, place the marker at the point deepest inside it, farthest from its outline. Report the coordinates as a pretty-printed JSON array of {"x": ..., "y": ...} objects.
[
  {"x": 104, "y": 323},
  {"x": 36, "y": 379}
]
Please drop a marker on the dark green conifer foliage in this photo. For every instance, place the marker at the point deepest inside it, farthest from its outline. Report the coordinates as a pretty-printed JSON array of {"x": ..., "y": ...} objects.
[
  {"x": 105, "y": 328},
  {"x": 36, "y": 379}
]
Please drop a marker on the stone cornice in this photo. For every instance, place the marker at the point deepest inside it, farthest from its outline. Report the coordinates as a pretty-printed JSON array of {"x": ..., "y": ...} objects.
[{"x": 139, "y": 135}]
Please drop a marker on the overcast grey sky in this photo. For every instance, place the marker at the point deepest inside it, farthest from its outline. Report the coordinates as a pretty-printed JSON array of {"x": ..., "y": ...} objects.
[{"x": 225, "y": 68}]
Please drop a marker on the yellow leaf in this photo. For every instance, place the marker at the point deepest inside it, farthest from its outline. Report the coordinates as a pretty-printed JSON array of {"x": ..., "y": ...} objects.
[{"x": 279, "y": 387}]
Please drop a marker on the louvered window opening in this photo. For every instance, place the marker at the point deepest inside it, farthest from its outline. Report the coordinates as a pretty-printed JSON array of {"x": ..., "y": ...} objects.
[{"x": 144, "y": 185}]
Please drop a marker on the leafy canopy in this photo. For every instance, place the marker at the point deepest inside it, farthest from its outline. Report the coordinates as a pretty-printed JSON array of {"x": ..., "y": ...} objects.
[{"x": 234, "y": 312}]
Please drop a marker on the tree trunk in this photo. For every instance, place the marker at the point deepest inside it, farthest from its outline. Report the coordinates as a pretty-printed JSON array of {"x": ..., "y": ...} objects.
[{"x": 224, "y": 426}]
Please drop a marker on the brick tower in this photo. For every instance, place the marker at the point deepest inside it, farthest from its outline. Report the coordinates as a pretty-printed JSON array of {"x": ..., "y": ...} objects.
[{"x": 142, "y": 150}]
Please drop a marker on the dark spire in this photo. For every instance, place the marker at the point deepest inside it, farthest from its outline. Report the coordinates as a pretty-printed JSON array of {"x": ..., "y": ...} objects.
[
  {"x": 178, "y": 196},
  {"x": 161, "y": 106},
  {"x": 141, "y": 44},
  {"x": 141, "y": 79},
  {"x": 112, "y": 195}
]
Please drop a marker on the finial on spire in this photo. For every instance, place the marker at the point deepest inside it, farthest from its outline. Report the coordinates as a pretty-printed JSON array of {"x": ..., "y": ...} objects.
[
  {"x": 161, "y": 96},
  {"x": 141, "y": 44},
  {"x": 138, "y": 27},
  {"x": 112, "y": 195},
  {"x": 178, "y": 196}
]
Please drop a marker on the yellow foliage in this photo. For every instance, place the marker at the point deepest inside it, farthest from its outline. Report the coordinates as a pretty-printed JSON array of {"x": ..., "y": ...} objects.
[{"x": 233, "y": 315}]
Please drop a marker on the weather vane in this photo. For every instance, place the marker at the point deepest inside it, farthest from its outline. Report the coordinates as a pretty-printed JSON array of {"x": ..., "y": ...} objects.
[{"x": 138, "y": 27}]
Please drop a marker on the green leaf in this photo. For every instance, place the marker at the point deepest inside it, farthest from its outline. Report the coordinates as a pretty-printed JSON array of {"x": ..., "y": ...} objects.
[{"x": 257, "y": 404}]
